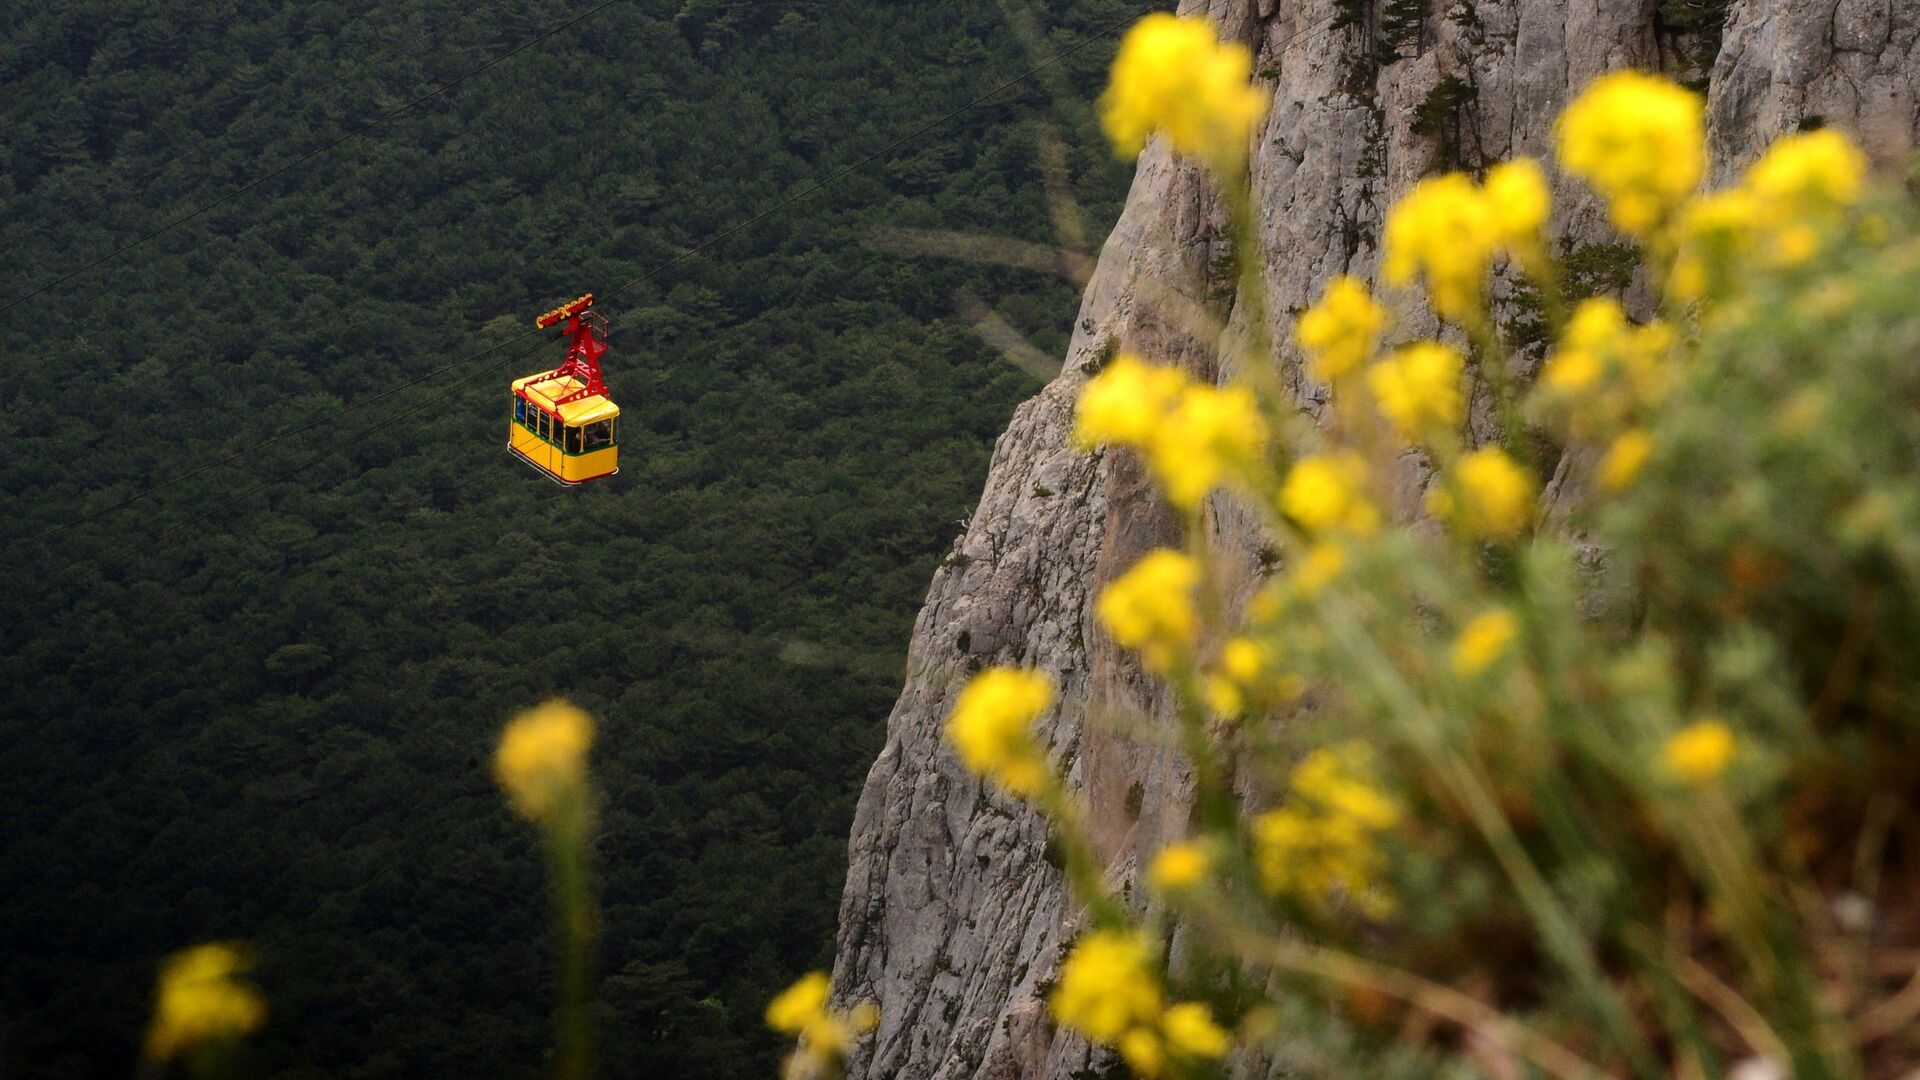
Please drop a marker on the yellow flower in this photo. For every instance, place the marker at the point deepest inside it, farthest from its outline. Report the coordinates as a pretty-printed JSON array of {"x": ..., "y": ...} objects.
[
  {"x": 1245, "y": 671},
  {"x": 1418, "y": 389},
  {"x": 1324, "y": 840},
  {"x": 800, "y": 1004},
  {"x": 1604, "y": 368},
  {"x": 1268, "y": 604},
  {"x": 1209, "y": 433},
  {"x": 1324, "y": 562},
  {"x": 1144, "y": 1052},
  {"x": 1592, "y": 335},
  {"x": 1518, "y": 202},
  {"x": 1243, "y": 659},
  {"x": 201, "y": 1001},
  {"x": 1224, "y": 697},
  {"x": 1324, "y": 494},
  {"x": 1793, "y": 244},
  {"x": 1175, "y": 77},
  {"x": 1640, "y": 140},
  {"x": 1339, "y": 333},
  {"x": 1339, "y": 779},
  {"x": 825, "y": 1037},
  {"x": 1624, "y": 459},
  {"x": 542, "y": 758},
  {"x": 1714, "y": 233},
  {"x": 1107, "y": 986},
  {"x": 1645, "y": 361},
  {"x": 1126, "y": 402},
  {"x": 1178, "y": 866},
  {"x": 991, "y": 727},
  {"x": 1484, "y": 640},
  {"x": 1809, "y": 172},
  {"x": 1150, "y": 607},
  {"x": 1699, "y": 752},
  {"x": 1443, "y": 230},
  {"x": 1495, "y": 494},
  {"x": 1797, "y": 190},
  {"x": 1191, "y": 1032}
]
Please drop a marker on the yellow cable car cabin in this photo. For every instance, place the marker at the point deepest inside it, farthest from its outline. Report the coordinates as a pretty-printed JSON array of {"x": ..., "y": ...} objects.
[{"x": 564, "y": 424}]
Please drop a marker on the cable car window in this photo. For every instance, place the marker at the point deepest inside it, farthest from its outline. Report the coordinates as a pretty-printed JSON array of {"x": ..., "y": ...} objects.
[
  {"x": 543, "y": 430},
  {"x": 598, "y": 435},
  {"x": 520, "y": 409},
  {"x": 573, "y": 440}
]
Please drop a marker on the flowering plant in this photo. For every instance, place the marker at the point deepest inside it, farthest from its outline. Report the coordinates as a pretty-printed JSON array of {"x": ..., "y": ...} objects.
[{"x": 1621, "y": 787}]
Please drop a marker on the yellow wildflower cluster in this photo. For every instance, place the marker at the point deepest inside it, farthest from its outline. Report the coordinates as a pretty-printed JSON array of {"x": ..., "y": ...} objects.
[
  {"x": 1195, "y": 435},
  {"x": 1326, "y": 494},
  {"x": 1179, "y": 866},
  {"x": 542, "y": 758},
  {"x": 1624, "y": 459},
  {"x": 1246, "y": 674},
  {"x": 1340, "y": 332},
  {"x": 1175, "y": 77},
  {"x": 1418, "y": 390},
  {"x": 1484, "y": 640},
  {"x": 1779, "y": 210},
  {"x": 1699, "y": 752},
  {"x": 1151, "y": 608},
  {"x": 1209, "y": 434},
  {"x": 1605, "y": 370},
  {"x": 1325, "y": 840},
  {"x": 1640, "y": 140},
  {"x": 1126, "y": 402},
  {"x": 1812, "y": 173},
  {"x": 1489, "y": 495},
  {"x": 1323, "y": 563},
  {"x": 201, "y": 1001},
  {"x": 1715, "y": 235},
  {"x": 1109, "y": 992},
  {"x": 992, "y": 727},
  {"x": 1448, "y": 230},
  {"x": 824, "y": 1036},
  {"x": 1517, "y": 200}
]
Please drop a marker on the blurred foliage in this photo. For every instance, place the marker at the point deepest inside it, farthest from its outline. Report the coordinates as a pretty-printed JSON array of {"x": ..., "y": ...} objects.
[{"x": 270, "y": 718}]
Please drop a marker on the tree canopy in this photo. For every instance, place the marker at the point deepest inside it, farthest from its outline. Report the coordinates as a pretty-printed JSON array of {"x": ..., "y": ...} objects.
[{"x": 259, "y": 704}]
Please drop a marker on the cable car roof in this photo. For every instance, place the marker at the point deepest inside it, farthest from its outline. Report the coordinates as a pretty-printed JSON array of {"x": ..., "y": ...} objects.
[{"x": 543, "y": 389}]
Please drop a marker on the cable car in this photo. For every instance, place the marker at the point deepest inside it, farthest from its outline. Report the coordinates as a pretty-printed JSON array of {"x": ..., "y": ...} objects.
[{"x": 564, "y": 424}]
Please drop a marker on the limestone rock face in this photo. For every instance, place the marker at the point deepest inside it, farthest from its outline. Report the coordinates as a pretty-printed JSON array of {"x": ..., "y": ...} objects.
[{"x": 953, "y": 918}]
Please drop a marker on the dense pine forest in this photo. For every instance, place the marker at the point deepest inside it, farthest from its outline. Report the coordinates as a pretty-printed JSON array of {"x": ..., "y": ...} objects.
[{"x": 258, "y": 704}]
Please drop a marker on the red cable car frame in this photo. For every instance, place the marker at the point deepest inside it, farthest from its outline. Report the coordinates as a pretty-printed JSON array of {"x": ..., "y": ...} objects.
[{"x": 564, "y": 423}]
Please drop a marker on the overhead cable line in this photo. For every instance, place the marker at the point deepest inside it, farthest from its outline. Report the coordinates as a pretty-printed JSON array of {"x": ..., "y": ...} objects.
[
  {"x": 261, "y": 445},
  {"x": 309, "y": 156},
  {"x": 293, "y": 473},
  {"x": 732, "y": 230},
  {"x": 883, "y": 151},
  {"x": 896, "y": 144},
  {"x": 656, "y": 271}
]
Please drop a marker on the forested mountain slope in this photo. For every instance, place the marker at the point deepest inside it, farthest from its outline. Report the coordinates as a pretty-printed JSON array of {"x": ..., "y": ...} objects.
[{"x": 268, "y": 717}]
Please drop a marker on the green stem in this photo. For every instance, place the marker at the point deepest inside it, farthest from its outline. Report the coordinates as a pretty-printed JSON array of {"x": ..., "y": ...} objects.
[
  {"x": 568, "y": 836},
  {"x": 1560, "y": 934}
]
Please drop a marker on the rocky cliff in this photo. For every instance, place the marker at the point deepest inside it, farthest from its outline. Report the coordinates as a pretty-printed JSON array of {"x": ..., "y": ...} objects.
[{"x": 953, "y": 918}]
